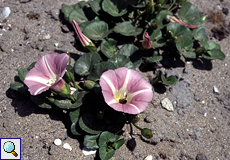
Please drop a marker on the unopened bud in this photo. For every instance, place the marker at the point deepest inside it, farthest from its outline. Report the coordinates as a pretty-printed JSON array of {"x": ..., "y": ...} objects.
[
  {"x": 134, "y": 119},
  {"x": 176, "y": 20},
  {"x": 147, "y": 43},
  {"x": 89, "y": 84},
  {"x": 147, "y": 133}
]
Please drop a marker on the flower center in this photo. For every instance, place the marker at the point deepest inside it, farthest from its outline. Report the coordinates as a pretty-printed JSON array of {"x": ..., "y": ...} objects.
[
  {"x": 123, "y": 98},
  {"x": 51, "y": 81}
]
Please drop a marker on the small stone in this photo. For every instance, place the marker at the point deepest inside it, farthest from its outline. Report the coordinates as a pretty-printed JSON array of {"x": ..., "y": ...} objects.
[
  {"x": 167, "y": 104},
  {"x": 24, "y": 1},
  {"x": 185, "y": 70},
  {"x": 225, "y": 11},
  {"x": 149, "y": 157},
  {"x": 197, "y": 97},
  {"x": 5, "y": 12},
  {"x": 57, "y": 142},
  {"x": 88, "y": 152},
  {"x": 205, "y": 114},
  {"x": 201, "y": 157},
  {"x": 67, "y": 146},
  {"x": 215, "y": 90},
  {"x": 55, "y": 44},
  {"x": 46, "y": 37}
]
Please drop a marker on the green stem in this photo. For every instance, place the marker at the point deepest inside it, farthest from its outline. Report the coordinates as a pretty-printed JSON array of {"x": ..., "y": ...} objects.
[
  {"x": 71, "y": 97},
  {"x": 174, "y": 1},
  {"x": 137, "y": 126},
  {"x": 173, "y": 8}
]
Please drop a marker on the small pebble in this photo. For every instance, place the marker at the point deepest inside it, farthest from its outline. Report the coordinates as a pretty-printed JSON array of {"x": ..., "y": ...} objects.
[
  {"x": 205, "y": 114},
  {"x": 149, "y": 157},
  {"x": 47, "y": 36},
  {"x": 225, "y": 11},
  {"x": 167, "y": 104},
  {"x": 87, "y": 151},
  {"x": 67, "y": 146},
  {"x": 57, "y": 142},
  {"x": 215, "y": 90},
  {"x": 55, "y": 44},
  {"x": 5, "y": 12}
]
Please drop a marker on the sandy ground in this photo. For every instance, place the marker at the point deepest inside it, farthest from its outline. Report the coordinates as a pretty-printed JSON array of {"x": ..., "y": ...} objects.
[{"x": 198, "y": 128}]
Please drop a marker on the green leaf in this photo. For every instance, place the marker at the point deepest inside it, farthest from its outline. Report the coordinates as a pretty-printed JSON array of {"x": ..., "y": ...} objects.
[
  {"x": 178, "y": 30},
  {"x": 184, "y": 45},
  {"x": 108, "y": 48},
  {"x": 121, "y": 61},
  {"x": 127, "y": 29},
  {"x": 90, "y": 124},
  {"x": 22, "y": 73},
  {"x": 99, "y": 68},
  {"x": 161, "y": 16},
  {"x": 18, "y": 86},
  {"x": 95, "y": 5},
  {"x": 115, "y": 8},
  {"x": 74, "y": 115},
  {"x": 41, "y": 101},
  {"x": 74, "y": 129},
  {"x": 78, "y": 16},
  {"x": 171, "y": 80},
  {"x": 84, "y": 64},
  {"x": 66, "y": 10},
  {"x": 155, "y": 58},
  {"x": 212, "y": 45},
  {"x": 97, "y": 30},
  {"x": 202, "y": 19},
  {"x": 133, "y": 53},
  {"x": 156, "y": 38},
  {"x": 90, "y": 141},
  {"x": 201, "y": 35},
  {"x": 106, "y": 153},
  {"x": 214, "y": 54},
  {"x": 189, "y": 13},
  {"x": 128, "y": 50},
  {"x": 118, "y": 143},
  {"x": 106, "y": 137},
  {"x": 31, "y": 66}
]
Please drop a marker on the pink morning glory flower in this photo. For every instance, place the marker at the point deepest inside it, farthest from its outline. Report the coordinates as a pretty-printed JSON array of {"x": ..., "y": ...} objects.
[
  {"x": 174, "y": 19},
  {"x": 47, "y": 73},
  {"x": 86, "y": 42},
  {"x": 125, "y": 90},
  {"x": 147, "y": 43}
]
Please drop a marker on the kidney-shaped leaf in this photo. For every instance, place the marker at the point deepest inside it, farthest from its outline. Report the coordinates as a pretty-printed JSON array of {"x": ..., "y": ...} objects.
[
  {"x": 106, "y": 153},
  {"x": 90, "y": 141},
  {"x": 127, "y": 29},
  {"x": 189, "y": 13},
  {"x": 171, "y": 80},
  {"x": 118, "y": 143},
  {"x": 78, "y": 16},
  {"x": 115, "y": 8},
  {"x": 128, "y": 49},
  {"x": 106, "y": 137},
  {"x": 95, "y": 5},
  {"x": 178, "y": 29},
  {"x": 41, "y": 101},
  {"x": 85, "y": 63},
  {"x": 184, "y": 44},
  {"x": 99, "y": 68},
  {"x": 97, "y": 30},
  {"x": 121, "y": 61},
  {"x": 214, "y": 54},
  {"x": 201, "y": 35},
  {"x": 108, "y": 48}
]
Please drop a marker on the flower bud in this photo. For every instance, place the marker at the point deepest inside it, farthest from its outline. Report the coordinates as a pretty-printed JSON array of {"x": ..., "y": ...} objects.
[
  {"x": 147, "y": 43},
  {"x": 154, "y": 24},
  {"x": 86, "y": 42},
  {"x": 147, "y": 133},
  {"x": 134, "y": 119},
  {"x": 202, "y": 19},
  {"x": 69, "y": 77},
  {"x": 176, "y": 20},
  {"x": 150, "y": 7},
  {"x": 89, "y": 84}
]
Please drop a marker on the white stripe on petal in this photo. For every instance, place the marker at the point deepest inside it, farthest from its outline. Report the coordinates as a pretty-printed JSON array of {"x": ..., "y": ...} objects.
[
  {"x": 135, "y": 107},
  {"x": 37, "y": 91},
  {"x": 110, "y": 84},
  {"x": 38, "y": 79},
  {"x": 136, "y": 93},
  {"x": 53, "y": 75},
  {"x": 124, "y": 87},
  {"x": 111, "y": 102}
]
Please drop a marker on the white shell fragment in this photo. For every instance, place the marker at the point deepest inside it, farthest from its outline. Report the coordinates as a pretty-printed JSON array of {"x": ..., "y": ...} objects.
[
  {"x": 57, "y": 142},
  {"x": 88, "y": 152},
  {"x": 5, "y": 12},
  {"x": 215, "y": 90},
  {"x": 149, "y": 157},
  {"x": 67, "y": 146},
  {"x": 167, "y": 104}
]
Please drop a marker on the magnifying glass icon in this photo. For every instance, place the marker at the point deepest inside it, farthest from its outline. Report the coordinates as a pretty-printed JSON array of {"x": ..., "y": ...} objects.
[{"x": 9, "y": 147}]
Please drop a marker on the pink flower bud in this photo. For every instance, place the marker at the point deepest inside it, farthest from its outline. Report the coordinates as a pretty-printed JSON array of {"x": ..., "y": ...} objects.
[
  {"x": 174, "y": 19},
  {"x": 147, "y": 43}
]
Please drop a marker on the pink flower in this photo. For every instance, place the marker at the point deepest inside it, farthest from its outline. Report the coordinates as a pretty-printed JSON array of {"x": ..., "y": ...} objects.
[
  {"x": 147, "y": 43},
  {"x": 86, "y": 42},
  {"x": 125, "y": 90},
  {"x": 174, "y": 19},
  {"x": 47, "y": 73}
]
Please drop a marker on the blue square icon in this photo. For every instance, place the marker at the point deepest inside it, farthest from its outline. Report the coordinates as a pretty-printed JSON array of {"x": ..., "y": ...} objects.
[{"x": 10, "y": 148}]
